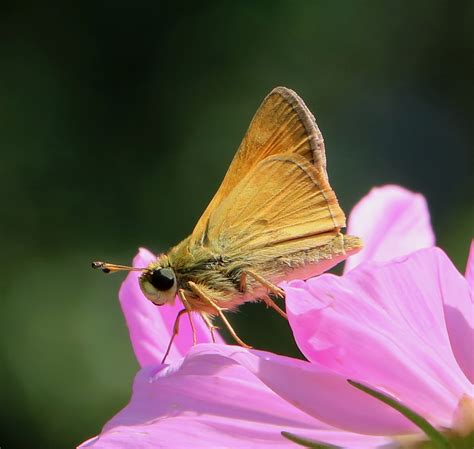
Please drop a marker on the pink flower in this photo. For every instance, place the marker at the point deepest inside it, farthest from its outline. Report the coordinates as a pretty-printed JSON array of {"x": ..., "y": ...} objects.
[
  {"x": 401, "y": 322},
  {"x": 391, "y": 221}
]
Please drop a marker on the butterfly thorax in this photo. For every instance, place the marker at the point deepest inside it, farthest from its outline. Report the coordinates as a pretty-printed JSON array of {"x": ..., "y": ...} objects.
[{"x": 218, "y": 275}]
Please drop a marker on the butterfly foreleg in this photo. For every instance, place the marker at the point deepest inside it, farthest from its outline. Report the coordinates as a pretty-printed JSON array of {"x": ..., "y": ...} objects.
[
  {"x": 175, "y": 332},
  {"x": 188, "y": 308},
  {"x": 220, "y": 311},
  {"x": 272, "y": 287}
]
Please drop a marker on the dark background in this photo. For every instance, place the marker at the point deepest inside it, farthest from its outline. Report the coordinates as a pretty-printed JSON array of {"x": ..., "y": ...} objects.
[{"x": 117, "y": 122}]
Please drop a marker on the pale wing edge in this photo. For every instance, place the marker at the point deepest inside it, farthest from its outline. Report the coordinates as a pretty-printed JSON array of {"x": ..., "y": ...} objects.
[{"x": 316, "y": 140}]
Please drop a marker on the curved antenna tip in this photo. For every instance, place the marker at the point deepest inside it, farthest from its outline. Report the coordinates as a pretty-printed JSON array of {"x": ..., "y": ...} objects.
[{"x": 100, "y": 266}]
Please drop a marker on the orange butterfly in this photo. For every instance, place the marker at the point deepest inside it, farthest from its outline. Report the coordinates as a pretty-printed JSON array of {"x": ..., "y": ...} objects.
[{"x": 274, "y": 218}]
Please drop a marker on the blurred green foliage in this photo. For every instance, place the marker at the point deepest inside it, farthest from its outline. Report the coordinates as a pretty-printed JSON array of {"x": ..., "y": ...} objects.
[{"x": 117, "y": 123}]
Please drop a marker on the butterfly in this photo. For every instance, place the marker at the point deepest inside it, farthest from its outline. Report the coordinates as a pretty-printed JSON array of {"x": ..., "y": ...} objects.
[{"x": 274, "y": 217}]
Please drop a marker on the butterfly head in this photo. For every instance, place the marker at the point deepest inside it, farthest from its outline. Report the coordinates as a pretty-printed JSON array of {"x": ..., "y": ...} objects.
[{"x": 159, "y": 284}]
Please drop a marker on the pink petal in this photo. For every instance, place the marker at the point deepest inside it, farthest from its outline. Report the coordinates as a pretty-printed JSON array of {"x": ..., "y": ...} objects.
[
  {"x": 384, "y": 325},
  {"x": 151, "y": 326},
  {"x": 320, "y": 392},
  {"x": 459, "y": 313},
  {"x": 208, "y": 400},
  {"x": 470, "y": 267},
  {"x": 391, "y": 221}
]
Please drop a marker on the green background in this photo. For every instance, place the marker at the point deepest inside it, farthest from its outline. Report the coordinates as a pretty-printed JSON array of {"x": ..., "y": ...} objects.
[{"x": 117, "y": 122}]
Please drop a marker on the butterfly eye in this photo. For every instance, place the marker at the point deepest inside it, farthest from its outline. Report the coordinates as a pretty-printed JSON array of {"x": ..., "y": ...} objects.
[
  {"x": 159, "y": 285},
  {"x": 162, "y": 279}
]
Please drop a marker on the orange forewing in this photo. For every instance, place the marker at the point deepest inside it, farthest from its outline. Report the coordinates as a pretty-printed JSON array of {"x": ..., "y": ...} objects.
[
  {"x": 282, "y": 198},
  {"x": 282, "y": 125}
]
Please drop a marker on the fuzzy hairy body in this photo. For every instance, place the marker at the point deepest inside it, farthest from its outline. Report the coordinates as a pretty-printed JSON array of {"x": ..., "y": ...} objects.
[{"x": 221, "y": 276}]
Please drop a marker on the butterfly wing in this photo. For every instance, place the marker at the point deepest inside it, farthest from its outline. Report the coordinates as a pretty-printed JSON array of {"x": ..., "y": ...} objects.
[
  {"x": 282, "y": 198},
  {"x": 282, "y": 214},
  {"x": 282, "y": 125}
]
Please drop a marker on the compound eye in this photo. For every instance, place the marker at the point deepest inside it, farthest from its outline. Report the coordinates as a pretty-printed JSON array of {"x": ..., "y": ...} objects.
[{"x": 162, "y": 279}]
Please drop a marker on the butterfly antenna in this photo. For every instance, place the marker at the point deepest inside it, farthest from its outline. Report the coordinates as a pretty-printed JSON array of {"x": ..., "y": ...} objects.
[{"x": 112, "y": 268}]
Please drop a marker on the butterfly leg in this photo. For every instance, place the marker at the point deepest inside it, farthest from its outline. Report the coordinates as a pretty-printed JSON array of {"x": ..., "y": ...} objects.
[
  {"x": 270, "y": 303},
  {"x": 188, "y": 309},
  {"x": 272, "y": 287},
  {"x": 209, "y": 325},
  {"x": 199, "y": 292},
  {"x": 175, "y": 332}
]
